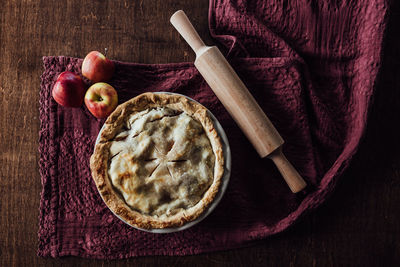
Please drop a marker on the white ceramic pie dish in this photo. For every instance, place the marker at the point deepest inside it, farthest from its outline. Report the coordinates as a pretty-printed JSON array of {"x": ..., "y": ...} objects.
[{"x": 221, "y": 191}]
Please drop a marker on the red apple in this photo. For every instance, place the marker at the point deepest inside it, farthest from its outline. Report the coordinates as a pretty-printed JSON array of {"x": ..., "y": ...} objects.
[
  {"x": 97, "y": 68},
  {"x": 69, "y": 90},
  {"x": 101, "y": 99}
]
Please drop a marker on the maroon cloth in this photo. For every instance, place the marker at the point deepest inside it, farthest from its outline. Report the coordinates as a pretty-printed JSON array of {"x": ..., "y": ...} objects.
[{"x": 311, "y": 65}]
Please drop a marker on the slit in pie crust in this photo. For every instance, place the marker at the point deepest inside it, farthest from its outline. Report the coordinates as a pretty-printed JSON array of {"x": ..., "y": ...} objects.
[{"x": 159, "y": 161}]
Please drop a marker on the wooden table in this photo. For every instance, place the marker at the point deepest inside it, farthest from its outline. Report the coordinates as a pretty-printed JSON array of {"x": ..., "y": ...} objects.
[{"x": 358, "y": 226}]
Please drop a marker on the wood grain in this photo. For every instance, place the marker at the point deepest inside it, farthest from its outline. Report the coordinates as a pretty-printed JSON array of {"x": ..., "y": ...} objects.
[{"x": 358, "y": 226}]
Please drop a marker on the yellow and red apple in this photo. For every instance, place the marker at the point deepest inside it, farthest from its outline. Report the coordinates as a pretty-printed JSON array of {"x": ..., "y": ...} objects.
[
  {"x": 69, "y": 90},
  {"x": 97, "y": 68},
  {"x": 101, "y": 99}
]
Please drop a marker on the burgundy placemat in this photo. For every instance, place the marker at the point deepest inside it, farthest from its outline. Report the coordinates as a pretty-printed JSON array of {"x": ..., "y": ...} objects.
[{"x": 312, "y": 67}]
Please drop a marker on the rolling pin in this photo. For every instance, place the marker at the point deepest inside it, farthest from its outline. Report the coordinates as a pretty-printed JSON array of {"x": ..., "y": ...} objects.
[{"x": 237, "y": 99}]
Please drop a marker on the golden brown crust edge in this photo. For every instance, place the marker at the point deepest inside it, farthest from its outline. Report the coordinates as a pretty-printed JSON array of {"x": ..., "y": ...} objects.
[{"x": 100, "y": 159}]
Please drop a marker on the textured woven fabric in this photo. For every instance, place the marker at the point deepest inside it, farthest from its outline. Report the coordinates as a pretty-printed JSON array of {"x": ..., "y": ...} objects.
[{"x": 311, "y": 65}]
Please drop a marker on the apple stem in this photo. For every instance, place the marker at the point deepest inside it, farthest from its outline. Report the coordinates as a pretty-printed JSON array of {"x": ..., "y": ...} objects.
[{"x": 105, "y": 51}]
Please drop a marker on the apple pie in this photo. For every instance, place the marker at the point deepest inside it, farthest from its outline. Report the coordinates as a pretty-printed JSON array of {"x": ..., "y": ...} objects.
[{"x": 158, "y": 162}]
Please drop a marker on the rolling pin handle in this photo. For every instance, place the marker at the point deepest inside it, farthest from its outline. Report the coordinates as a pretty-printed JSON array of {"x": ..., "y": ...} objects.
[
  {"x": 182, "y": 24},
  {"x": 289, "y": 173}
]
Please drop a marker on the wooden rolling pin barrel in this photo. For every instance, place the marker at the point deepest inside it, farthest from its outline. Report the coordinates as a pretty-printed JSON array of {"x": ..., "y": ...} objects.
[{"x": 237, "y": 99}]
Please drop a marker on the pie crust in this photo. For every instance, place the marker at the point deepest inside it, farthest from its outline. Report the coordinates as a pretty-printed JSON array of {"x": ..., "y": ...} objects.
[{"x": 158, "y": 162}]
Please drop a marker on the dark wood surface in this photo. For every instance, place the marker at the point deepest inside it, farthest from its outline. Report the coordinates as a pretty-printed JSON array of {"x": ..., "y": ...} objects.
[{"x": 358, "y": 226}]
